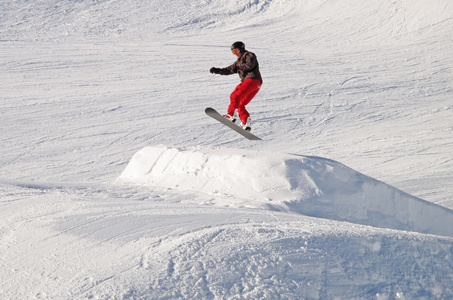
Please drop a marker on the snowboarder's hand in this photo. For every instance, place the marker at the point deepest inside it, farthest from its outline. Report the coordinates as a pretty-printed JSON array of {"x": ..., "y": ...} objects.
[{"x": 214, "y": 70}]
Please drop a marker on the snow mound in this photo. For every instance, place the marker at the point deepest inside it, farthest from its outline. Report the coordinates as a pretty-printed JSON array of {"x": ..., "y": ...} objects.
[{"x": 311, "y": 186}]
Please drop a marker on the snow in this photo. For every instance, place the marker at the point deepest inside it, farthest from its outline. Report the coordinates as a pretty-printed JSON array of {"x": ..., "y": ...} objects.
[
  {"x": 312, "y": 186},
  {"x": 114, "y": 184}
]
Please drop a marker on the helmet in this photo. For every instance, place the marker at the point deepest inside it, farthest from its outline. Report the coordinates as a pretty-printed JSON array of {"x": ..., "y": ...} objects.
[{"x": 238, "y": 45}]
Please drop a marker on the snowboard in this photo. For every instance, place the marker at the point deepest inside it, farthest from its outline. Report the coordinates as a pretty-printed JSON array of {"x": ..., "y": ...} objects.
[{"x": 215, "y": 115}]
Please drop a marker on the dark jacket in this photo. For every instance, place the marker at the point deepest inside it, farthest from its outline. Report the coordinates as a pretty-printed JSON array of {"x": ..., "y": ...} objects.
[{"x": 246, "y": 66}]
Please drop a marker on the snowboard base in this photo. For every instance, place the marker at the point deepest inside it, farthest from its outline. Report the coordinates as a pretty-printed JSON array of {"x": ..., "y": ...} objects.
[{"x": 215, "y": 115}]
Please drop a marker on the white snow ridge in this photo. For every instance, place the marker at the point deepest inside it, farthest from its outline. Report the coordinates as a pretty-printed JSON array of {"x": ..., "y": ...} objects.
[{"x": 313, "y": 186}]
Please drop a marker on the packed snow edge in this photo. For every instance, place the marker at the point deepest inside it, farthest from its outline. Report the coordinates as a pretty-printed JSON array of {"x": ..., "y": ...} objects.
[{"x": 312, "y": 186}]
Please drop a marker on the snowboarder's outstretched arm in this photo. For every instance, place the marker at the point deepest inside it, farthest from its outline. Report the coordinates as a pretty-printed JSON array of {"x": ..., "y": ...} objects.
[{"x": 224, "y": 71}]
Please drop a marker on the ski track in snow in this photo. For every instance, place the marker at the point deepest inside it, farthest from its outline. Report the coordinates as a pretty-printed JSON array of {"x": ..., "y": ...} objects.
[{"x": 85, "y": 85}]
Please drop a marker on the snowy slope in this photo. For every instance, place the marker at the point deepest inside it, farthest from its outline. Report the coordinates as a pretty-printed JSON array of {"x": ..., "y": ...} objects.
[
  {"x": 118, "y": 243},
  {"x": 366, "y": 84},
  {"x": 86, "y": 86}
]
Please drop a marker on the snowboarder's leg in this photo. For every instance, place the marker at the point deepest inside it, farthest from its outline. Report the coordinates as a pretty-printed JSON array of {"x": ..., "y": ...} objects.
[
  {"x": 234, "y": 100},
  {"x": 250, "y": 89}
]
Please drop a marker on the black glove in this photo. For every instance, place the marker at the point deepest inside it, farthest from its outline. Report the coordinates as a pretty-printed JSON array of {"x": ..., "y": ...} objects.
[{"x": 214, "y": 70}]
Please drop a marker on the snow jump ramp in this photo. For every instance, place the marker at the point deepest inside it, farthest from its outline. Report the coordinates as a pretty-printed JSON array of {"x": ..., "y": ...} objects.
[{"x": 311, "y": 186}]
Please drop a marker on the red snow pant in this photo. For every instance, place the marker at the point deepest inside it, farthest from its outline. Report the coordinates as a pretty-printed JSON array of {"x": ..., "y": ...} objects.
[{"x": 242, "y": 96}]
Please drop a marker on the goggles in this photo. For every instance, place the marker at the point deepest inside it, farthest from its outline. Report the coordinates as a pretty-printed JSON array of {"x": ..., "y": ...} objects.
[{"x": 235, "y": 51}]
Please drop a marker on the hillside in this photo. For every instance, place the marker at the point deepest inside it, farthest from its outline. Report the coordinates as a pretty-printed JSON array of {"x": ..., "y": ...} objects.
[{"x": 114, "y": 184}]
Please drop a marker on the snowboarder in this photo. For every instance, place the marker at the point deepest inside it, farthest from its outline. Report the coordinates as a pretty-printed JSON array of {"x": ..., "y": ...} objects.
[{"x": 247, "y": 67}]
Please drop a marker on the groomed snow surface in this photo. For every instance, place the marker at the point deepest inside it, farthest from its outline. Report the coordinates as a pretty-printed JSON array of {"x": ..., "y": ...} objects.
[{"x": 114, "y": 184}]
